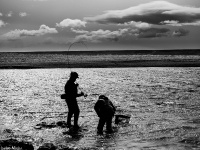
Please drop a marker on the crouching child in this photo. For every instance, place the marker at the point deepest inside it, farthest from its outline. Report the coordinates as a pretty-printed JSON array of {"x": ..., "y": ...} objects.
[{"x": 105, "y": 111}]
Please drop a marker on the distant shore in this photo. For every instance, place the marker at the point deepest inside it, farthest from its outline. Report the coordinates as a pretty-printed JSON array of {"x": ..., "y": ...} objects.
[
  {"x": 100, "y": 59},
  {"x": 104, "y": 65},
  {"x": 118, "y": 52}
]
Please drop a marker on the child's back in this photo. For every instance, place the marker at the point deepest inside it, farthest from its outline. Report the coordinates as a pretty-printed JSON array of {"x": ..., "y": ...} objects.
[
  {"x": 109, "y": 107},
  {"x": 105, "y": 111}
]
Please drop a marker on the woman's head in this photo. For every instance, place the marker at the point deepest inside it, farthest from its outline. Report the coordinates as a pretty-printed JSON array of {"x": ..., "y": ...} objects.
[{"x": 73, "y": 75}]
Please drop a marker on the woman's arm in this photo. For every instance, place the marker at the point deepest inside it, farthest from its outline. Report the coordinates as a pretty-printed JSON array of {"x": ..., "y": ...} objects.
[{"x": 81, "y": 94}]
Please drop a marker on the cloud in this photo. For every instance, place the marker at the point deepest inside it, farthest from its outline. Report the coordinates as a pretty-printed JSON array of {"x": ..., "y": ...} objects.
[
  {"x": 10, "y": 14},
  {"x": 157, "y": 13},
  {"x": 17, "y": 34},
  {"x": 79, "y": 31},
  {"x": 101, "y": 35},
  {"x": 23, "y": 14},
  {"x": 171, "y": 22},
  {"x": 152, "y": 33},
  {"x": 71, "y": 23},
  {"x": 180, "y": 32},
  {"x": 196, "y": 23},
  {"x": 1, "y": 14},
  {"x": 2, "y": 23},
  {"x": 176, "y": 23},
  {"x": 37, "y": 0},
  {"x": 141, "y": 25}
]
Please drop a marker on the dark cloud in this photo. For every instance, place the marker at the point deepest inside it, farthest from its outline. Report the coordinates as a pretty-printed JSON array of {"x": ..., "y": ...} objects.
[
  {"x": 152, "y": 33},
  {"x": 180, "y": 32},
  {"x": 107, "y": 35},
  {"x": 50, "y": 41},
  {"x": 157, "y": 12},
  {"x": 100, "y": 35}
]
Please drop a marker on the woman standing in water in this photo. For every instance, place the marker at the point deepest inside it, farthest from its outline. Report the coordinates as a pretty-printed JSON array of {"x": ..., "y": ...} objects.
[{"x": 71, "y": 93}]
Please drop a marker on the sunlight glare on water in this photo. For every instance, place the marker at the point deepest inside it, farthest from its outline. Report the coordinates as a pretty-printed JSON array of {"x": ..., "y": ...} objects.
[{"x": 163, "y": 104}]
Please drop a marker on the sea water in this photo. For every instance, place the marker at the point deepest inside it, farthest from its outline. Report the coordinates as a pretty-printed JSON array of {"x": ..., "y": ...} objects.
[{"x": 163, "y": 104}]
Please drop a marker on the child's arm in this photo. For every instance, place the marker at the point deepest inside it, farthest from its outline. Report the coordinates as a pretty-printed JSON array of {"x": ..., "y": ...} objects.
[
  {"x": 113, "y": 106},
  {"x": 98, "y": 106}
]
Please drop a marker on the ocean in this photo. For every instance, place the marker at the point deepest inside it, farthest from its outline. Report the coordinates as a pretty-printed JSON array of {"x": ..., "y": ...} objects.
[
  {"x": 162, "y": 102},
  {"x": 100, "y": 59}
]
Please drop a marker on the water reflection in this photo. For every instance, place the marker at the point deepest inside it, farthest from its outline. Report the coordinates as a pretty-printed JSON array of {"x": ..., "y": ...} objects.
[
  {"x": 163, "y": 104},
  {"x": 106, "y": 141}
]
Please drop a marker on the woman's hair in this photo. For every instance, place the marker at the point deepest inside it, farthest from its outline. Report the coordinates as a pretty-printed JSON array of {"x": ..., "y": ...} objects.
[{"x": 73, "y": 75}]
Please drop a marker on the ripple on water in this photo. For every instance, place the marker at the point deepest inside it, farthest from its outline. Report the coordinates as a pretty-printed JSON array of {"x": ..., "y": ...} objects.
[{"x": 163, "y": 104}]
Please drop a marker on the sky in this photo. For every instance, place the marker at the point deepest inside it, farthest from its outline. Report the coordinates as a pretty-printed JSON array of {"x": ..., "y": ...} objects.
[{"x": 54, "y": 25}]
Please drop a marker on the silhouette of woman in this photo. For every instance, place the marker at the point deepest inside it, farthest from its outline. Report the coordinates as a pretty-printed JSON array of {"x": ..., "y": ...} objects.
[{"x": 71, "y": 93}]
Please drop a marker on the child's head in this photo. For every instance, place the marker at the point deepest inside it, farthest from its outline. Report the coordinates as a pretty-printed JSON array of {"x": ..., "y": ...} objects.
[
  {"x": 106, "y": 99},
  {"x": 102, "y": 96}
]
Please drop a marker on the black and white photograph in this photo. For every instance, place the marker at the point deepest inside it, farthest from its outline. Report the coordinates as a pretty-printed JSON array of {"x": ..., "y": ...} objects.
[{"x": 99, "y": 75}]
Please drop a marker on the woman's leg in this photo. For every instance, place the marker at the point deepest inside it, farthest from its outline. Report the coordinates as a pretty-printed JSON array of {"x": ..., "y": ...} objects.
[{"x": 76, "y": 114}]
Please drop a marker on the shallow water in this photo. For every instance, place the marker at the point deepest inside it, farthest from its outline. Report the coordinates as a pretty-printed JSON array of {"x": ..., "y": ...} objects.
[{"x": 163, "y": 104}]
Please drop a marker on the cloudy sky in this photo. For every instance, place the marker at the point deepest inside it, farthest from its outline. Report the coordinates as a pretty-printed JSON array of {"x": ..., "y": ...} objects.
[{"x": 34, "y": 25}]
